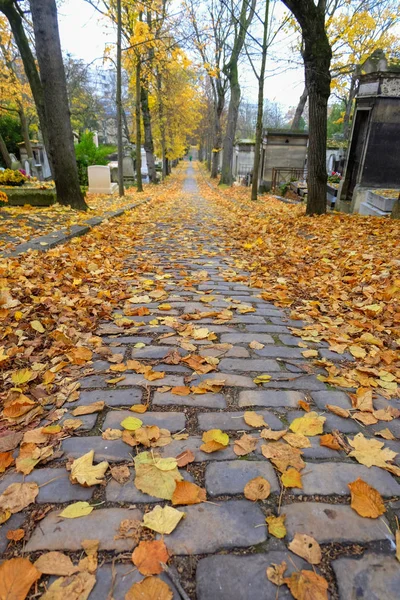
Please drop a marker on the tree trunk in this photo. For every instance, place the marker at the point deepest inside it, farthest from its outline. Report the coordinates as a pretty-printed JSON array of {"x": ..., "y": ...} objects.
[
  {"x": 260, "y": 107},
  {"x": 62, "y": 150},
  {"x": 219, "y": 104},
  {"x": 164, "y": 171},
  {"x": 229, "y": 140},
  {"x": 7, "y": 7},
  {"x": 120, "y": 145},
  {"x": 148, "y": 136},
  {"x": 25, "y": 131},
  {"x": 5, "y": 154},
  {"x": 138, "y": 129},
  {"x": 299, "y": 110},
  {"x": 317, "y": 56}
]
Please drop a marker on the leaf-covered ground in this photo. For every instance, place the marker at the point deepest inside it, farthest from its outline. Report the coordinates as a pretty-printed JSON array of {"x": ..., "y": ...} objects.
[{"x": 202, "y": 393}]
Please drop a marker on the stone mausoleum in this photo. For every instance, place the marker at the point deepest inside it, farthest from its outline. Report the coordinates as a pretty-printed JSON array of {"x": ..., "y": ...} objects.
[{"x": 372, "y": 169}]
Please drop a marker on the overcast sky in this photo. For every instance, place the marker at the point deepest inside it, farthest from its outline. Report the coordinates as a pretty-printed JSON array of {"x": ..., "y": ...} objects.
[{"x": 84, "y": 33}]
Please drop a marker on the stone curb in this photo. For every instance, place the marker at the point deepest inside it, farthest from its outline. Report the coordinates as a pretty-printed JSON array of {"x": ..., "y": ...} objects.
[{"x": 51, "y": 240}]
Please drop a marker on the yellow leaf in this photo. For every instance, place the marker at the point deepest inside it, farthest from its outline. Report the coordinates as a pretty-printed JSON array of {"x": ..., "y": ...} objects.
[
  {"x": 276, "y": 526},
  {"x": 292, "y": 478},
  {"x": 358, "y": 351},
  {"x": 83, "y": 470},
  {"x": 131, "y": 423},
  {"x": 371, "y": 452},
  {"x": 216, "y": 435},
  {"x": 307, "y": 585},
  {"x": 21, "y": 377},
  {"x": 310, "y": 353},
  {"x": 163, "y": 519},
  {"x": 37, "y": 326},
  {"x": 78, "y": 509},
  {"x": 366, "y": 500},
  {"x": 252, "y": 419},
  {"x": 138, "y": 408},
  {"x": 260, "y": 379},
  {"x": 150, "y": 588},
  {"x": 311, "y": 424}
]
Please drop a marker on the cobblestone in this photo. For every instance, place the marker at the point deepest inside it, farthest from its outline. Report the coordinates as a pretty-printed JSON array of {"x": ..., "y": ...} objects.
[
  {"x": 54, "y": 485},
  {"x": 173, "y": 421},
  {"x": 333, "y": 523},
  {"x": 56, "y": 533},
  {"x": 246, "y": 338},
  {"x": 113, "y": 451},
  {"x": 249, "y": 366},
  {"x": 193, "y": 400},
  {"x": 270, "y": 398},
  {"x": 209, "y": 528},
  {"x": 117, "y": 579},
  {"x": 230, "y": 478},
  {"x": 234, "y": 421},
  {"x": 372, "y": 577}
]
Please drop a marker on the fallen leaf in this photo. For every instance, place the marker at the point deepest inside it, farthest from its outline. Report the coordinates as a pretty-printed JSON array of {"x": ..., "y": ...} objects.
[
  {"x": 276, "y": 526},
  {"x": 398, "y": 544},
  {"x": 18, "y": 496},
  {"x": 307, "y": 585},
  {"x": 337, "y": 410},
  {"x": 182, "y": 390},
  {"x": 163, "y": 519},
  {"x": 310, "y": 425},
  {"x": 307, "y": 547},
  {"x": 245, "y": 445},
  {"x": 139, "y": 408},
  {"x": 156, "y": 476},
  {"x": 151, "y": 588},
  {"x": 283, "y": 456},
  {"x": 72, "y": 424},
  {"x": 370, "y": 452},
  {"x": 297, "y": 440},
  {"x": 257, "y": 489},
  {"x": 89, "y": 409},
  {"x": 310, "y": 353},
  {"x": 15, "y": 535},
  {"x": 75, "y": 510},
  {"x": 385, "y": 433},
  {"x": 275, "y": 573},
  {"x": 83, "y": 470},
  {"x": 291, "y": 478},
  {"x": 148, "y": 556},
  {"x": 187, "y": 493},
  {"x": 6, "y": 459},
  {"x": 304, "y": 405},
  {"x": 75, "y": 587},
  {"x": 216, "y": 435},
  {"x": 254, "y": 345},
  {"x": 55, "y": 563},
  {"x": 366, "y": 500},
  {"x": 329, "y": 441},
  {"x": 270, "y": 434},
  {"x": 362, "y": 400},
  {"x": 184, "y": 458},
  {"x": 37, "y": 326},
  {"x": 263, "y": 378},
  {"x": 16, "y": 578},
  {"x": 121, "y": 474},
  {"x": 4, "y": 515},
  {"x": 20, "y": 377},
  {"x": 252, "y": 419},
  {"x": 131, "y": 423},
  {"x": 111, "y": 434}
]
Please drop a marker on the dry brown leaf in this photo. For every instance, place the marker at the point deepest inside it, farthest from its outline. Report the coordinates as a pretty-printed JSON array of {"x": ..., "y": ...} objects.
[
  {"x": 304, "y": 405},
  {"x": 362, "y": 400},
  {"x": 371, "y": 452},
  {"x": 182, "y": 390},
  {"x": 184, "y": 458},
  {"x": 252, "y": 419},
  {"x": 270, "y": 434},
  {"x": 254, "y": 345},
  {"x": 337, "y": 410},
  {"x": 75, "y": 587},
  {"x": 275, "y": 573},
  {"x": 245, "y": 445},
  {"x": 257, "y": 489},
  {"x": 18, "y": 496},
  {"x": 55, "y": 563},
  {"x": 15, "y": 535},
  {"x": 151, "y": 588},
  {"x": 111, "y": 434},
  {"x": 307, "y": 585},
  {"x": 120, "y": 473},
  {"x": 16, "y": 578},
  {"x": 398, "y": 544},
  {"x": 83, "y": 470},
  {"x": 329, "y": 441},
  {"x": 297, "y": 440},
  {"x": 366, "y": 500},
  {"x": 6, "y": 459},
  {"x": 148, "y": 556},
  {"x": 212, "y": 446},
  {"x": 283, "y": 456},
  {"x": 187, "y": 493},
  {"x": 366, "y": 418},
  {"x": 89, "y": 408},
  {"x": 385, "y": 433},
  {"x": 307, "y": 547}
]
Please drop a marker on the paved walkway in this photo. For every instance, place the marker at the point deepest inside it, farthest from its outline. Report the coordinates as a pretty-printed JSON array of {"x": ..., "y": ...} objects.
[{"x": 221, "y": 550}]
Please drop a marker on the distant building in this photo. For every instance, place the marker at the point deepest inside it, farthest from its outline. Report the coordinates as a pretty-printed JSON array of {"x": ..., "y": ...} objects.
[{"x": 285, "y": 151}]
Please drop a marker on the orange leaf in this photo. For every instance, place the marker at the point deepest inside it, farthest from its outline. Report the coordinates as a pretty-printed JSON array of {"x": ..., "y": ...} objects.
[
  {"x": 257, "y": 489},
  {"x": 307, "y": 585},
  {"x": 366, "y": 500},
  {"x": 329, "y": 441},
  {"x": 148, "y": 555},
  {"x": 151, "y": 588},
  {"x": 188, "y": 493},
  {"x": 15, "y": 534},
  {"x": 6, "y": 459},
  {"x": 184, "y": 458},
  {"x": 16, "y": 578}
]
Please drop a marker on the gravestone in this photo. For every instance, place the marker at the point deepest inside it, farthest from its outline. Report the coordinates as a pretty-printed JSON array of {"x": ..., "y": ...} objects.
[{"x": 100, "y": 180}]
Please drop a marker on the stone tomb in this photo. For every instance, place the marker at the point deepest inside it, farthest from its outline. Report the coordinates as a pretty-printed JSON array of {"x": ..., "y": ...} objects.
[{"x": 100, "y": 180}]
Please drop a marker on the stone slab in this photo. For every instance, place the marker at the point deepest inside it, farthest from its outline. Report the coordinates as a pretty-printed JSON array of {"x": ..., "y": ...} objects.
[
  {"x": 173, "y": 421},
  {"x": 246, "y": 338},
  {"x": 112, "y": 451},
  {"x": 252, "y": 365},
  {"x": 372, "y": 577},
  {"x": 333, "y": 523},
  {"x": 55, "y": 533},
  {"x": 153, "y": 352},
  {"x": 294, "y": 382},
  {"x": 208, "y": 528},
  {"x": 59, "y": 490},
  {"x": 243, "y": 577},
  {"x": 14, "y": 522},
  {"x": 267, "y": 328},
  {"x": 233, "y": 421},
  {"x": 279, "y": 352},
  {"x": 323, "y": 398},
  {"x": 111, "y": 397},
  {"x": 231, "y": 380},
  {"x": 270, "y": 398},
  {"x": 331, "y": 478},
  {"x": 192, "y": 400},
  {"x": 231, "y": 477},
  {"x": 88, "y": 421}
]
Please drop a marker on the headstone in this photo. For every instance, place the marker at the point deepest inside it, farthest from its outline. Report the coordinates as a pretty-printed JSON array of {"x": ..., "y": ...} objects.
[
  {"x": 100, "y": 180},
  {"x": 27, "y": 168}
]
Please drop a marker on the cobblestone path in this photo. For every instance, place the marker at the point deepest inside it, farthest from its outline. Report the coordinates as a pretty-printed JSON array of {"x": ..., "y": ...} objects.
[{"x": 221, "y": 550}]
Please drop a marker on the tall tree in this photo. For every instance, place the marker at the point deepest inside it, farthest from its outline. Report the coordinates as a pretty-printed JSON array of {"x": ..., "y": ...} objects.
[
  {"x": 52, "y": 77},
  {"x": 241, "y": 23},
  {"x": 317, "y": 54},
  {"x": 121, "y": 190}
]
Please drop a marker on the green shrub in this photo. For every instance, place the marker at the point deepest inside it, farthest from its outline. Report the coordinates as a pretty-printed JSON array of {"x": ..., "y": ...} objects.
[
  {"x": 10, "y": 177},
  {"x": 88, "y": 154}
]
